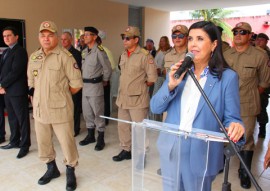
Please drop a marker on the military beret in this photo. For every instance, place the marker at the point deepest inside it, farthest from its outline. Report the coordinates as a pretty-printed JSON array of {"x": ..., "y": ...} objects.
[{"x": 91, "y": 29}]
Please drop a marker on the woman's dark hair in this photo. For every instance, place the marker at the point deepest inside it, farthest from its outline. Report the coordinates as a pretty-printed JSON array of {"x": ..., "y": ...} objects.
[
  {"x": 12, "y": 29},
  {"x": 217, "y": 63},
  {"x": 98, "y": 40}
]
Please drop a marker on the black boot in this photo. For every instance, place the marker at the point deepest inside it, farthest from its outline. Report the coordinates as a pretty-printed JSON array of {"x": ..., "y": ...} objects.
[
  {"x": 71, "y": 179},
  {"x": 262, "y": 130},
  {"x": 100, "y": 141},
  {"x": 90, "y": 138},
  {"x": 52, "y": 172},
  {"x": 244, "y": 178}
]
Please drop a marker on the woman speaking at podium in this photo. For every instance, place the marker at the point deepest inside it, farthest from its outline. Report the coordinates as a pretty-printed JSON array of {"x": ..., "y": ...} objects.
[{"x": 188, "y": 109}]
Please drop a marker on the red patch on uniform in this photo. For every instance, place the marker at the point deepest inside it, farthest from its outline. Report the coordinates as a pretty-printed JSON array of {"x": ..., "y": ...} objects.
[
  {"x": 151, "y": 61},
  {"x": 75, "y": 65}
]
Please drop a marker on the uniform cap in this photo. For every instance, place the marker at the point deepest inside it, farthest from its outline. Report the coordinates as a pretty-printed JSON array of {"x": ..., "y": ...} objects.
[
  {"x": 48, "y": 25},
  {"x": 132, "y": 31},
  {"x": 263, "y": 35},
  {"x": 242, "y": 25},
  {"x": 180, "y": 28},
  {"x": 91, "y": 29}
]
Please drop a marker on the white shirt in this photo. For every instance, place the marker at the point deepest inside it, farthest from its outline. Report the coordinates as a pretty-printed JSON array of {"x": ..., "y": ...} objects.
[
  {"x": 189, "y": 103},
  {"x": 160, "y": 59}
]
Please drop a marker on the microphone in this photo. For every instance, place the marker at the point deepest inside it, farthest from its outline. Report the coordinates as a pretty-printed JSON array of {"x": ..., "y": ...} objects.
[{"x": 185, "y": 65}]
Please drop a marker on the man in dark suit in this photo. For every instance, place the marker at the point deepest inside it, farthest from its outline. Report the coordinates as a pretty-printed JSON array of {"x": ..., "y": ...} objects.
[
  {"x": 13, "y": 85},
  {"x": 66, "y": 40}
]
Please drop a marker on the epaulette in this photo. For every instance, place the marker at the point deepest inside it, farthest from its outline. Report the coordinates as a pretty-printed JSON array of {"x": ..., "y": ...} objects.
[
  {"x": 67, "y": 52},
  {"x": 100, "y": 48},
  {"x": 144, "y": 51}
]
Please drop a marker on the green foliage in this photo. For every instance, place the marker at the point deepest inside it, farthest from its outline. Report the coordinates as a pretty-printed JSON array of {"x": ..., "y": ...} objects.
[{"x": 217, "y": 17}]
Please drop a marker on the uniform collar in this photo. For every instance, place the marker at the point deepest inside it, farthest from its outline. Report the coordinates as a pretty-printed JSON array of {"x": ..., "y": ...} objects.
[
  {"x": 136, "y": 51},
  {"x": 247, "y": 51},
  {"x": 56, "y": 50},
  {"x": 173, "y": 51},
  {"x": 93, "y": 49}
]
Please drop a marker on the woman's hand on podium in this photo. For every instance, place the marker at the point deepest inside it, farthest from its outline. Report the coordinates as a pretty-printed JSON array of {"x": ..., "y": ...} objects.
[{"x": 235, "y": 131}]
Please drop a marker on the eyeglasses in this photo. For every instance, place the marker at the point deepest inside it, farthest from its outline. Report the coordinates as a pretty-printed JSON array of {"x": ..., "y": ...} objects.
[
  {"x": 181, "y": 36},
  {"x": 127, "y": 38},
  {"x": 241, "y": 32}
]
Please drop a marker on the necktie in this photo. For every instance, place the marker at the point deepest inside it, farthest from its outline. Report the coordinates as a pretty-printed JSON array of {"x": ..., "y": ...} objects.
[{"x": 6, "y": 53}]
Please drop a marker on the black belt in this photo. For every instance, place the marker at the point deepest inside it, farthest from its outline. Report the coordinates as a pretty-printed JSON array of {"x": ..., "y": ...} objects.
[{"x": 93, "y": 80}]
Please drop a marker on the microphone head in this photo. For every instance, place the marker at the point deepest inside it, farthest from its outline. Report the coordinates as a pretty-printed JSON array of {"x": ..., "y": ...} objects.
[{"x": 191, "y": 55}]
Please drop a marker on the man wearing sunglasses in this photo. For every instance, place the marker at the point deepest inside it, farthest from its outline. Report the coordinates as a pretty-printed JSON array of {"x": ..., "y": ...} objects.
[
  {"x": 178, "y": 52},
  {"x": 138, "y": 72},
  {"x": 254, "y": 75}
]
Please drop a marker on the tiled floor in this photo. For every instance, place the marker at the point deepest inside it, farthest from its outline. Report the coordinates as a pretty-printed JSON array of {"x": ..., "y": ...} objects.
[{"x": 97, "y": 171}]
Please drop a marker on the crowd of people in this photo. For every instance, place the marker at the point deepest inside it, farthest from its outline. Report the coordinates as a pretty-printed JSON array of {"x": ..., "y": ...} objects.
[{"x": 62, "y": 82}]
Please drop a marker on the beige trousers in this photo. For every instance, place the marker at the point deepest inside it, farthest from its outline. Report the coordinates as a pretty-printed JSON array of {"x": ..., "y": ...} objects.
[
  {"x": 124, "y": 129},
  {"x": 249, "y": 123},
  {"x": 65, "y": 135}
]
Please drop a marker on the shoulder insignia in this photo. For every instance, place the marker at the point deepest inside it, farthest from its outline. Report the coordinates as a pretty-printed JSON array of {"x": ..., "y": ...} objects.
[
  {"x": 75, "y": 65},
  {"x": 36, "y": 57},
  {"x": 33, "y": 57},
  {"x": 144, "y": 51},
  {"x": 100, "y": 48},
  {"x": 67, "y": 52},
  {"x": 83, "y": 54}
]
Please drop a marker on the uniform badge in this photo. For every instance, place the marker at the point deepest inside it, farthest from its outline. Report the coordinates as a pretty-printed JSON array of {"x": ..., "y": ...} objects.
[
  {"x": 239, "y": 24},
  {"x": 35, "y": 72},
  {"x": 151, "y": 61},
  {"x": 75, "y": 65},
  {"x": 46, "y": 25},
  {"x": 178, "y": 27},
  {"x": 39, "y": 57},
  {"x": 33, "y": 57}
]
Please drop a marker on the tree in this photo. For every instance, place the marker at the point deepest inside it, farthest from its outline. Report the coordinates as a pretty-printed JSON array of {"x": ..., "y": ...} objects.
[{"x": 216, "y": 16}]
